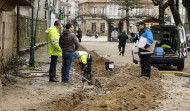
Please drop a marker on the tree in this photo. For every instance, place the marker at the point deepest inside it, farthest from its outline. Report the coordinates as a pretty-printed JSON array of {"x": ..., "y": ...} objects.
[
  {"x": 174, "y": 7},
  {"x": 186, "y": 4},
  {"x": 127, "y": 5},
  {"x": 162, "y": 8}
]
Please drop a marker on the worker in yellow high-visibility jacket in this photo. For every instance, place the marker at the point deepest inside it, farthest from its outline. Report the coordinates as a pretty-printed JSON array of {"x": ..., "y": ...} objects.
[
  {"x": 53, "y": 49},
  {"x": 85, "y": 60}
]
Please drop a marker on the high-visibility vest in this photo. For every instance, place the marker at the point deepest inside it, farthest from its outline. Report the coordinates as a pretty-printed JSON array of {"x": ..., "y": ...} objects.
[
  {"x": 83, "y": 57},
  {"x": 53, "y": 41}
]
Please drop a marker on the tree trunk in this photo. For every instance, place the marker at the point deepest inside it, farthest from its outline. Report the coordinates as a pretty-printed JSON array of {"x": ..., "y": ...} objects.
[
  {"x": 161, "y": 14},
  {"x": 127, "y": 21},
  {"x": 75, "y": 26},
  {"x": 109, "y": 31},
  {"x": 175, "y": 12},
  {"x": 186, "y": 4}
]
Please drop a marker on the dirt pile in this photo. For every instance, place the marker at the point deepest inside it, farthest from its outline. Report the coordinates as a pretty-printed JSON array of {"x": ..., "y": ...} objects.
[
  {"x": 115, "y": 90},
  {"x": 120, "y": 89}
]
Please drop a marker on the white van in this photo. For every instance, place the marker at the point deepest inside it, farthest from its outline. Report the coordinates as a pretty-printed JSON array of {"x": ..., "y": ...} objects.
[{"x": 170, "y": 35}]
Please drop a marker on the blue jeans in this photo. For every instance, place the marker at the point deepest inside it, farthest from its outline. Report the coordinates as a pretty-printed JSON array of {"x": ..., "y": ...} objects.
[
  {"x": 53, "y": 62},
  {"x": 67, "y": 61}
]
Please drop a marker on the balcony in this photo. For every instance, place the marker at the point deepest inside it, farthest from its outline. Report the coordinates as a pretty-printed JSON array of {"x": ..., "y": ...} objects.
[{"x": 9, "y": 5}]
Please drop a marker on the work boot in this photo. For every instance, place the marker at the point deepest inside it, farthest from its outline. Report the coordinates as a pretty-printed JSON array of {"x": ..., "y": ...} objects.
[
  {"x": 54, "y": 75},
  {"x": 122, "y": 54},
  {"x": 51, "y": 77}
]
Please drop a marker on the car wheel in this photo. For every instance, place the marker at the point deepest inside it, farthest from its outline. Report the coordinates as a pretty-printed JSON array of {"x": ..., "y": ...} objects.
[{"x": 180, "y": 66}]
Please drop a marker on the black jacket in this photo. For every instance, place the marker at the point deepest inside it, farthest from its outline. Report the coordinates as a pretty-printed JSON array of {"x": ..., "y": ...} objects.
[
  {"x": 122, "y": 38},
  {"x": 67, "y": 41},
  {"x": 79, "y": 33}
]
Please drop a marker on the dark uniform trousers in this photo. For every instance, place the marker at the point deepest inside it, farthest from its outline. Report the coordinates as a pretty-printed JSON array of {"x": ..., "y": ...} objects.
[
  {"x": 122, "y": 46},
  {"x": 87, "y": 72},
  {"x": 145, "y": 60}
]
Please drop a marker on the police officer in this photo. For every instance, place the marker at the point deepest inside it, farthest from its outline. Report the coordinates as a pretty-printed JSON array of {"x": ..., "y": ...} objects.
[
  {"x": 85, "y": 60},
  {"x": 145, "y": 56},
  {"x": 53, "y": 49}
]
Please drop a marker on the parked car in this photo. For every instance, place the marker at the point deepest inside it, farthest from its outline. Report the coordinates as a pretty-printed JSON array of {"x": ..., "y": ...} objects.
[{"x": 170, "y": 35}]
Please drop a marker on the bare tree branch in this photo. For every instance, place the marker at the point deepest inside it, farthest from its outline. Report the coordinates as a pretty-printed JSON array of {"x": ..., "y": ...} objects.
[{"x": 155, "y": 2}]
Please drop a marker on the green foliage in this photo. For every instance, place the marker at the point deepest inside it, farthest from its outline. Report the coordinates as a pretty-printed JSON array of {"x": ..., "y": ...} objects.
[
  {"x": 15, "y": 60},
  {"x": 15, "y": 63},
  {"x": 12, "y": 79},
  {"x": 127, "y": 4}
]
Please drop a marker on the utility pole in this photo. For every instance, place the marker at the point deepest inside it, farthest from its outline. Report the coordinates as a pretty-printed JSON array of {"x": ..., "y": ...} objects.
[
  {"x": 36, "y": 23},
  {"x": 32, "y": 40},
  {"x": 18, "y": 34}
]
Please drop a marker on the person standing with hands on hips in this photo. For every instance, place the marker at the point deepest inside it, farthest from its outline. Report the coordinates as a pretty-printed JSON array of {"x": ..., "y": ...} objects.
[
  {"x": 53, "y": 49},
  {"x": 145, "y": 56}
]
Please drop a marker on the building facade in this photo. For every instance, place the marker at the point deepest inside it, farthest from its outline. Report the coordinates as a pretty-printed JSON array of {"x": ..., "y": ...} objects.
[
  {"x": 94, "y": 19},
  {"x": 7, "y": 27},
  {"x": 96, "y": 13}
]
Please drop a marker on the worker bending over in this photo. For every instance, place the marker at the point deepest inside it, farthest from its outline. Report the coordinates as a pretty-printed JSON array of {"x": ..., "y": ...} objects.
[{"x": 85, "y": 61}]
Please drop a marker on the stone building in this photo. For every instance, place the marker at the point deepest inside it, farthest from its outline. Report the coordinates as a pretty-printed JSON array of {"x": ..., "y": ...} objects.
[
  {"x": 7, "y": 28},
  {"x": 66, "y": 11},
  {"x": 111, "y": 11},
  {"x": 94, "y": 19}
]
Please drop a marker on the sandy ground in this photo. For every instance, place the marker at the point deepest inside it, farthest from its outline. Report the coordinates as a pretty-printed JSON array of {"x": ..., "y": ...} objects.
[
  {"x": 117, "y": 90},
  {"x": 176, "y": 88}
]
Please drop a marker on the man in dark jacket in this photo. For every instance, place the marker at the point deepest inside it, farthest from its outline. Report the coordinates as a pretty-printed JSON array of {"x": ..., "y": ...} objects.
[
  {"x": 67, "y": 39},
  {"x": 79, "y": 34},
  {"x": 122, "y": 42},
  {"x": 145, "y": 55}
]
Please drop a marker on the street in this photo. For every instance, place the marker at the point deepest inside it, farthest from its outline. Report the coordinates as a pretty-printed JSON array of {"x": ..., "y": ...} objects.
[
  {"x": 38, "y": 72},
  {"x": 175, "y": 87},
  {"x": 34, "y": 92}
]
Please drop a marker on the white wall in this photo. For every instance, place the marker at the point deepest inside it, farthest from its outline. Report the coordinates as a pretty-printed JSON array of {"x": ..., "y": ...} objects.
[{"x": 114, "y": 12}]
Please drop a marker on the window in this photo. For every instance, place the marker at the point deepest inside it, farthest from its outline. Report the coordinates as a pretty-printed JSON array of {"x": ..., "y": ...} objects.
[
  {"x": 139, "y": 11},
  {"x": 93, "y": 27},
  {"x": 148, "y": 11},
  {"x": 110, "y": 11},
  {"x": 102, "y": 10},
  {"x": 102, "y": 27},
  {"x": 94, "y": 10}
]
